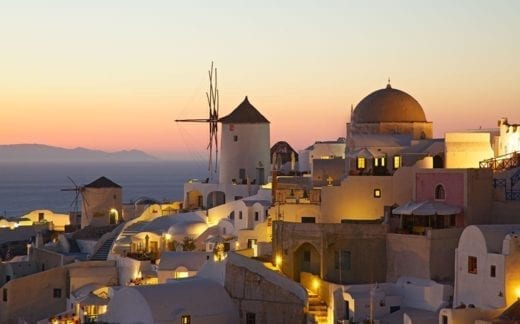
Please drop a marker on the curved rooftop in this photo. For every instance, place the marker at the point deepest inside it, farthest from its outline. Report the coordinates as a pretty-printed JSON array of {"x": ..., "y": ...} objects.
[{"x": 388, "y": 105}]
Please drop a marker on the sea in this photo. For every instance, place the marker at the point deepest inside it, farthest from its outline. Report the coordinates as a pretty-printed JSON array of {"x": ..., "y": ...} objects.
[{"x": 28, "y": 186}]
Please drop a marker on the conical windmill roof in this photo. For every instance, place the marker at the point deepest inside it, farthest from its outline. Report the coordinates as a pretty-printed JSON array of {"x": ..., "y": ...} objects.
[{"x": 245, "y": 113}]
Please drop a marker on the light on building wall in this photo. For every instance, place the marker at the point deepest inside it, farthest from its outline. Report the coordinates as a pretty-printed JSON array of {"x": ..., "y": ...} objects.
[
  {"x": 315, "y": 284},
  {"x": 167, "y": 236},
  {"x": 517, "y": 292},
  {"x": 237, "y": 244},
  {"x": 278, "y": 261},
  {"x": 377, "y": 193}
]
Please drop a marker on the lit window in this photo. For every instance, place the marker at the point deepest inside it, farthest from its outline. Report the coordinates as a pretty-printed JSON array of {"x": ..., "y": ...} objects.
[
  {"x": 397, "y": 162},
  {"x": 377, "y": 193},
  {"x": 440, "y": 193},
  {"x": 379, "y": 162},
  {"x": 472, "y": 264},
  {"x": 360, "y": 162},
  {"x": 185, "y": 319},
  {"x": 181, "y": 274},
  {"x": 493, "y": 271}
]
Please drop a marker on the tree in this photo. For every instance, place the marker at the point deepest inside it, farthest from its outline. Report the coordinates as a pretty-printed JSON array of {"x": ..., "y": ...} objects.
[{"x": 188, "y": 244}]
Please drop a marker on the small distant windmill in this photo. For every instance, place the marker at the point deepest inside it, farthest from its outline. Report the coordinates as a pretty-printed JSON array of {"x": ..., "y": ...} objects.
[
  {"x": 75, "y": 202},
  {"x": 213, "y": 105}
]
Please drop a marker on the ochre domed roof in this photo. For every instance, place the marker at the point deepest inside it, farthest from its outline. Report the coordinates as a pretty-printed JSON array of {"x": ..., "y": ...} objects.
[{"x": 388, "y": 105}]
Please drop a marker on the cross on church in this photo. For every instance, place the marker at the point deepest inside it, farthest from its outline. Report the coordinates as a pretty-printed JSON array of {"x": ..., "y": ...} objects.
[{"x": 329, "y": 181}]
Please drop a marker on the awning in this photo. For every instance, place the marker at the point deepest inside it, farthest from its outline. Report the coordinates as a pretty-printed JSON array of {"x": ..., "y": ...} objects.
[{"x": 426, "y": 208}]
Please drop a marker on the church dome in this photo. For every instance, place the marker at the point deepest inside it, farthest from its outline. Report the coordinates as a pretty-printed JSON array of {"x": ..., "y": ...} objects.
[{"x": 388, "y": 105}]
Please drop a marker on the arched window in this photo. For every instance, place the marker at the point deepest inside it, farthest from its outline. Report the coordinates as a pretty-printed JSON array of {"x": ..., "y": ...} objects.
[{"x": 440, "y": 193}]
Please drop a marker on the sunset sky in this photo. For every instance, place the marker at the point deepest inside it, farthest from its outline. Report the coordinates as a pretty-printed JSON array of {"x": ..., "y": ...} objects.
[{"x": 115, "y": 75}]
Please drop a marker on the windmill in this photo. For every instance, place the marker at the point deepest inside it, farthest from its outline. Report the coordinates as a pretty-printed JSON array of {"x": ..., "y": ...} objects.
[
  {"x": 75, "y": 202},
  {"x": 213, "y": 104}
]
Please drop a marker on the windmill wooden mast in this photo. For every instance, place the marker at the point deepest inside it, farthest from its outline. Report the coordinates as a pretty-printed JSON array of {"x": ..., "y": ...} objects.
[{"x": 213, "y": 104}]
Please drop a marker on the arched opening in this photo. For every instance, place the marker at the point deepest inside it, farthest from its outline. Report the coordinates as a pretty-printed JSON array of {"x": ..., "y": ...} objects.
[
  {"x": 194, "y": 199},
  {"x": 306, "y": 259},
  {"x": 181, "y": 272},
  {"x": 215, "y": 198},
  {"x": 114, "y": 216},
  {"x": 440, "y": 193},
  {"x": 438, "y": 162}
]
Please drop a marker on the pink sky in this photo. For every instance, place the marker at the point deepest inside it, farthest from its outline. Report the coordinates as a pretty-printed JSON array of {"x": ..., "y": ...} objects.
[{"x": 116, "y": 77}]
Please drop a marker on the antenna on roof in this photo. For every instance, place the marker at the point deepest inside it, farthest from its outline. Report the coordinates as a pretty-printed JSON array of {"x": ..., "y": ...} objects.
[
  {"x": 213, "y": 104},
  {"x": 388, "y": 85}
]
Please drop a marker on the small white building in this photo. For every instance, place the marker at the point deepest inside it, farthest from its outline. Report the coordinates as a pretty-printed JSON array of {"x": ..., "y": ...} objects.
[
  {"x": 177, "y": 264},
  {"x": 487, "y": 266},
  {"x": 408, "y": 294},
  {"x": 320, "y": 150},
  {"x": 192, "y": 300}
]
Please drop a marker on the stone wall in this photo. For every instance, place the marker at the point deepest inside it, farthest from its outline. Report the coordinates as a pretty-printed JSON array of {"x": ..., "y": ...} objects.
[
  {"x": 254, "y": 294},
  {"x": 429, "y": 256},
  {"x": 366, "y": 244},
  {"x": 33, "y": 297}
]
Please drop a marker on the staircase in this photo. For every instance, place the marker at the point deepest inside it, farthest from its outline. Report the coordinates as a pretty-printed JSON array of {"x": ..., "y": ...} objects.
[
  {"x": 102, "y": 253},
  {"x": 317, "y": 308}
]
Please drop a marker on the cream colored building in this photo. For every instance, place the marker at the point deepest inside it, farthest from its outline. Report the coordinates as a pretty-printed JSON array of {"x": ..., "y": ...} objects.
[{"x": 101, "y": 203}]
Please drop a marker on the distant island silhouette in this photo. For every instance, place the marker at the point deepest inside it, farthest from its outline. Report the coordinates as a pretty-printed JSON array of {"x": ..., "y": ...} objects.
[{"x": 47, "y": 153}]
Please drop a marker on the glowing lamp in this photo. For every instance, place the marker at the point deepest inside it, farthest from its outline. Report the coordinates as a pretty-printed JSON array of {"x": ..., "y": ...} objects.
[
  {"x": 315, "y": 284},
  {"x": 278, "y": 261},
  {"x": 517, "y": 292}
]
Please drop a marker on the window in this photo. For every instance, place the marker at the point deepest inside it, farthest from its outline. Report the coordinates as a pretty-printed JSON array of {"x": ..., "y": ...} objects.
[
  {"x": 377, "y": 193},
  {"x": 7, "y": 278},
  {"x": 361, "y": 162},
  {"x": 256, "y": 216},
  {"x": 440, "y": 194},
  {"x": 493, "y": 271},
  {"x": 453, "y": 220},
  {"x": 397, "y": 162},
  {"x": 4, "y": 295},
  {"x": 251, "y": 243},
  {"x": 250, "y": 318},
  {"x": 186, "y": 319},
  {"x": 444, "y": 319},
  {"x": 472, "y": 264},
  {"x": 342, "y": 260},
  {"x": 56, "y": 293},
  {"x": 242, "y": 173},
  {"x": 307, "y": 256},
  {"x": 266, "y": 213},
  {"x": 41, "y": 217},
  {"x": 240, "y": 215},
  {"x": 379, "y": 161},
  {"x": 232, "y": 215},
  {"x": 235, "y": 138},
  {"x": 308, "y": 219}
]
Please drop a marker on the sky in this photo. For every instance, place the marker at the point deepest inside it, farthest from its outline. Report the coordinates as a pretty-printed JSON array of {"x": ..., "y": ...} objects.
[{"x": 115, "y": 75}]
